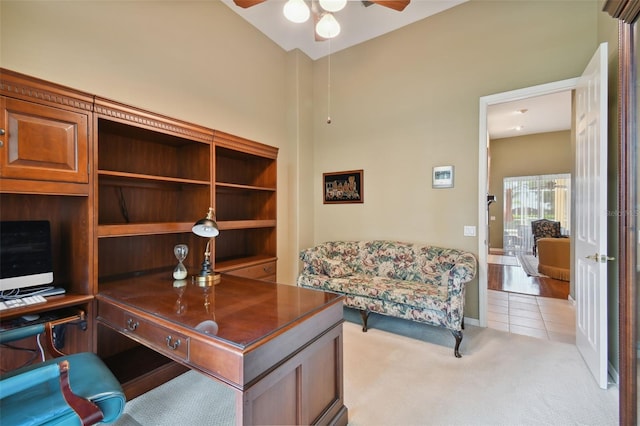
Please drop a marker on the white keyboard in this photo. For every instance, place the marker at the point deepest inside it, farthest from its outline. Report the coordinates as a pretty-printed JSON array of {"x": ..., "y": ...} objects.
[{"x": 22, "y": 302}]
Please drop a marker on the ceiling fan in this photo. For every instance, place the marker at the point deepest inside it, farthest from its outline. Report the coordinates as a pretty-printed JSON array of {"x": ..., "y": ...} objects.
[
  {"x": 326, "y": 26},
  {"x": 398, "y": 5}
]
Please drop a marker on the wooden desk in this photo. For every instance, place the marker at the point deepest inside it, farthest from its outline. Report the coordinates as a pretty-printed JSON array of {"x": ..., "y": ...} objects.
[{"x": 278, "y": 347}]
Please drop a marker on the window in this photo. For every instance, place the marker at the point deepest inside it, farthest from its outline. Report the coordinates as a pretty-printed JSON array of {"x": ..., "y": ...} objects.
[{"x": 528, "y": 198}]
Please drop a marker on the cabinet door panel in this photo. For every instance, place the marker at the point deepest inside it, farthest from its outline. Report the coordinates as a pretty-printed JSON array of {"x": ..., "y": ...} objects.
[{"x": 43, "y": 143}]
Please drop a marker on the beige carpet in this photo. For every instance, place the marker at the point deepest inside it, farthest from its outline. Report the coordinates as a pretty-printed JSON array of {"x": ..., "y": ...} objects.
[
  {"x": 408, "y": 375},
  {"x": 501, "y": 379}
]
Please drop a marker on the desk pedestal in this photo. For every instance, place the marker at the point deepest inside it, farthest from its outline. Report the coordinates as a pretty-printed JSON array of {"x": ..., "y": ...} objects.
[{"x": 278, "y": 347}]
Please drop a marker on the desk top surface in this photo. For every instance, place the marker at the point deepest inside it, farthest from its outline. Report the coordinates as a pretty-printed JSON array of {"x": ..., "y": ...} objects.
[{"x": 240, "y": 311}]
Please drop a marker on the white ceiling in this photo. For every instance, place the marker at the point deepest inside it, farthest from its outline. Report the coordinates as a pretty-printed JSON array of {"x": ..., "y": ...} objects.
[
  {"x": 549, "y": 113},
  {"x": 359, "y": 23}
]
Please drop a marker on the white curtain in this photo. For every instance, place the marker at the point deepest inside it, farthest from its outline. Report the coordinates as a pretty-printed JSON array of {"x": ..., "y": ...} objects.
[{"x": 528, "y": 198}]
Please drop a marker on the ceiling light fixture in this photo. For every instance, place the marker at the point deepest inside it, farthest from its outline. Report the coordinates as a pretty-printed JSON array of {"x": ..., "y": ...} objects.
[
  {"x": 333, "y": 5},
  {"x": 327, "y": 27},
  {"x": 296, "y": 11}
]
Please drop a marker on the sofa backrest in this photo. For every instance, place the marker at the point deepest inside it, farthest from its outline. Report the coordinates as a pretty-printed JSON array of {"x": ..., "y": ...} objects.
[{"x": 393, "y": 259}]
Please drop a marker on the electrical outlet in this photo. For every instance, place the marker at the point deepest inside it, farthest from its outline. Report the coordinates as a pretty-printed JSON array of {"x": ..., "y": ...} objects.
[{"x": 469, "y": 231}]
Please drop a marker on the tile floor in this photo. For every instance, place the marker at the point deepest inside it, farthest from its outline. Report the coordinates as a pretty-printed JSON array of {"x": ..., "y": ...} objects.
[{"x": 541, "y": 317}]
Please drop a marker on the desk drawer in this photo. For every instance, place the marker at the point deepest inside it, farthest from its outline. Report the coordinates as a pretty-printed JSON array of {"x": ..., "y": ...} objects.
[
  {"x": 156, "y": 336},
  {"x": 264, "y": 271}
]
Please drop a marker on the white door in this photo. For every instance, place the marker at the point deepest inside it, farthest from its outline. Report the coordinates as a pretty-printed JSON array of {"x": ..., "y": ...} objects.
[{"x": 590, "y": 237}]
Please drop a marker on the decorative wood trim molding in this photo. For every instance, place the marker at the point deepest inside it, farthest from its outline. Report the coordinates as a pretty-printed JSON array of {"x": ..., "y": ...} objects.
[
  {"x": 31, "y": 89},
  {"x": 126, "y": 114},
  {"x": 242, "y": 144},
  {"x": 628, "y": 222}
]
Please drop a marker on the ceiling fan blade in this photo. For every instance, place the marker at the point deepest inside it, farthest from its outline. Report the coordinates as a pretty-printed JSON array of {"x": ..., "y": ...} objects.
[
  {"x": 398, "y": 5},
  {"x": 247, "y": 3}
]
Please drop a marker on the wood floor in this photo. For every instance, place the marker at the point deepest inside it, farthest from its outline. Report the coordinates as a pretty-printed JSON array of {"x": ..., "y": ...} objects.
[{"x": 513, "y": 279}]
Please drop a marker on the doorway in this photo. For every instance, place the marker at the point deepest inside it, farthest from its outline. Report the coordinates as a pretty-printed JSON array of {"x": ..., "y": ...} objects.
[{"x": 483, "y": 174}]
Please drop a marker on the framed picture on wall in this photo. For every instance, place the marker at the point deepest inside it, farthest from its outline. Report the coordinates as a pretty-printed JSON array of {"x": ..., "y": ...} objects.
[
  {"x": 343, "y": 187},
  {"x": 442, "y": 177}
]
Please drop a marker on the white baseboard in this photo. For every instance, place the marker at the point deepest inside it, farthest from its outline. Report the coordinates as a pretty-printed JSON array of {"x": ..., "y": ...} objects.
[{"x": 472, "y": 321}]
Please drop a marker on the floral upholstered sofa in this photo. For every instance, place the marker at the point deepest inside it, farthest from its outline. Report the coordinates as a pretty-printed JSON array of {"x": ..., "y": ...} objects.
[{"x": 412, "y": 281}]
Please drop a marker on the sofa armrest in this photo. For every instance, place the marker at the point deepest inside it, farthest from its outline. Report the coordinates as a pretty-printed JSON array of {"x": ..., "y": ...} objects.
[
  {"x": 463, "y": 271},
  {"x": 312, "y": 261},
  {"x": 465, "y": 268}
]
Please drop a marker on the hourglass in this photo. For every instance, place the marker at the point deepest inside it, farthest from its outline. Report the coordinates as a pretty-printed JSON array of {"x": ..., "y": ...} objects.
[{"x": 181, "y": 251}]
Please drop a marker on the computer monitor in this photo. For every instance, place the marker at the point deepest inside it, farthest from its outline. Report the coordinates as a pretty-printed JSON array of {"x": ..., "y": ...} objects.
[{"x": 25, "y": 254}]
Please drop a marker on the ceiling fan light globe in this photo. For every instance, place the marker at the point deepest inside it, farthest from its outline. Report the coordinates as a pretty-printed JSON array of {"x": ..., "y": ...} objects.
[
  {"x": 328, "y": 27},
  {"x": 333, "y": 5},
  {"x": 296, "y": 11}
]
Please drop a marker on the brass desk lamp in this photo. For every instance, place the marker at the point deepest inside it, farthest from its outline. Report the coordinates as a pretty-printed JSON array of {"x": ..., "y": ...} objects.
[{"x": 208, "y": 228}]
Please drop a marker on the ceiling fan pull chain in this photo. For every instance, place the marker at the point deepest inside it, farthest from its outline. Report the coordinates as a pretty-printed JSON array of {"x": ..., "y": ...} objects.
[{"x": 329, "y": 85}]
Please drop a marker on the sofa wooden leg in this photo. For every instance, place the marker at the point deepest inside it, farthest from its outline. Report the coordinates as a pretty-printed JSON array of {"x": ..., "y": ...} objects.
[
  {"x": 458, "y": 336},
  {"x": 365, "y": 316}
]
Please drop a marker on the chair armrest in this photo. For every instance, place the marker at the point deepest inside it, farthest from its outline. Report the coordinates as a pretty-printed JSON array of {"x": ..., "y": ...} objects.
[
  {"x": 88, "y": 412},
  {"x": 30, "y": 384}
]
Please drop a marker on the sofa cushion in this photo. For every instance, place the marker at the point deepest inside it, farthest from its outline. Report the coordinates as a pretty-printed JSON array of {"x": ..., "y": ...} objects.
[
  {"x": 336, "y": 268},
  {"x": 403, "y": 261},
  {"x": 412, "y": 293}
]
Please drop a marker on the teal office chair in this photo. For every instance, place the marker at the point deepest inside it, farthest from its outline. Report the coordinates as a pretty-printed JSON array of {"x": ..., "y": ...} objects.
[{"x": 75, "y": 389}]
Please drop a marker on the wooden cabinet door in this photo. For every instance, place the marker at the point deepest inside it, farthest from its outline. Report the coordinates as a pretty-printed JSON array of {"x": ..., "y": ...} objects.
[{"x": 39, "y": 142}]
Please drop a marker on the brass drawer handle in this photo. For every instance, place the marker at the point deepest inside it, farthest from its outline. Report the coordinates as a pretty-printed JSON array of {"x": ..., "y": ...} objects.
[
  {"x": 267, "y": 268},
  {"x": 132, "y": 325},
  {"x": 173, "y": 345}
]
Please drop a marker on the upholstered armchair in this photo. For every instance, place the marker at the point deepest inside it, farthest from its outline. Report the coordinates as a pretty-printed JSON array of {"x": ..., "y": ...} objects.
[
  {"x": 73, "y": 389},
  {"x": 544, "y": 228}
]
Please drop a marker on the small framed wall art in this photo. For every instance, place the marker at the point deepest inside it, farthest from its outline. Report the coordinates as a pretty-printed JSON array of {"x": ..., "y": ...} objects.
[
  {"x": 343, "y": 187},
  {"x": 442, "y": 177}
]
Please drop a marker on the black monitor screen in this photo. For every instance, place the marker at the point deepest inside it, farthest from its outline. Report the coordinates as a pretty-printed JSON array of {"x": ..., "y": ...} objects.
[{"x": 25, "y": 254}]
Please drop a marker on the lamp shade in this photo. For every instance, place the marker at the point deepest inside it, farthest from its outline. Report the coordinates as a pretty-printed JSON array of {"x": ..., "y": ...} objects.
[
  {"x": 327, "y": 26},
  {"x": 296, "y": 11},
  {"x": 333, "y": 5},
  {"x": 206, "y": 227}
]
